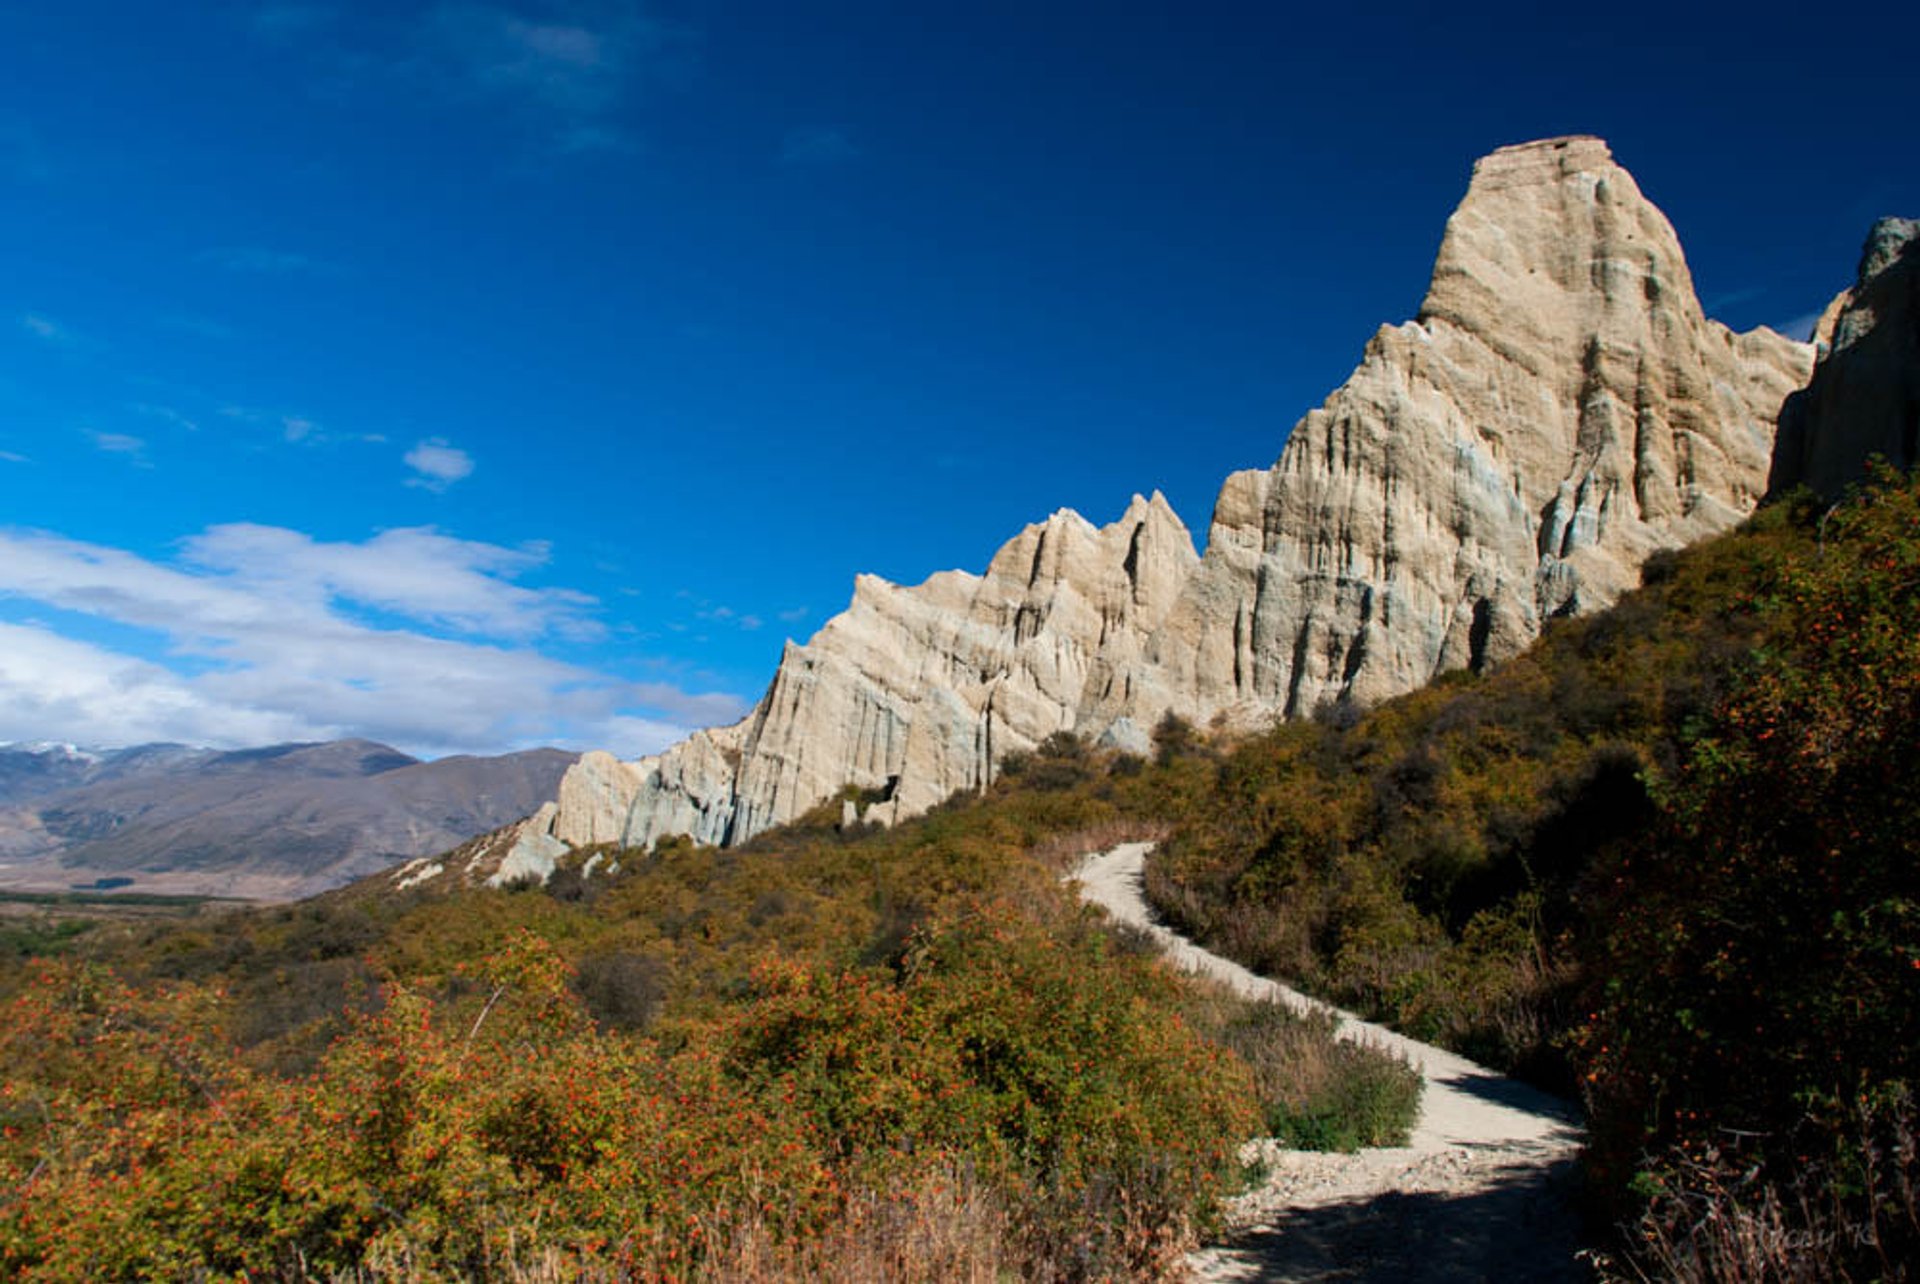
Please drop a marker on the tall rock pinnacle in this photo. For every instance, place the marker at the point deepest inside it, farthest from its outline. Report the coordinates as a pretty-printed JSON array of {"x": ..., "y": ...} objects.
[{"x": 1559, "y": 409}]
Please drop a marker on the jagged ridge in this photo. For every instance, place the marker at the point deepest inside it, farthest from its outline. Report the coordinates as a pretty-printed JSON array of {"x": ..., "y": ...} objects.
[{"x": 1559, "y": 409}]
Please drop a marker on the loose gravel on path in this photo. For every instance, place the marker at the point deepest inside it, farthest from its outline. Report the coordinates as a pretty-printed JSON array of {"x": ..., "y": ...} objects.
[{"x": 1480, "y": 1192}]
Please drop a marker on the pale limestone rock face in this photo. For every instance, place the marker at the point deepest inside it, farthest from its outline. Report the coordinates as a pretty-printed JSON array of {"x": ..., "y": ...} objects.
[
  {"x": 595, "y": 796},
  {"x": 534, "y": 855},
  {"x": 914, "y": 692},
  {"x": 1559, "y": 410}
]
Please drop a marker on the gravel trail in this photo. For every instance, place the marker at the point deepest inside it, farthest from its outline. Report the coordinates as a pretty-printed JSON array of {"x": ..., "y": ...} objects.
[{"x": 1480, "y": 1192}]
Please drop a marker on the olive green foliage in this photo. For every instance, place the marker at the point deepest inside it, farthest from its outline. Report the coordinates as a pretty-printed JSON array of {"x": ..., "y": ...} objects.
[
  {"x": 1669, "y": 856},
  {"x": 1758, "y": 953},
  {"x": 773, "y": 1053},
  {"x": 1315, "y": 1092},
  {"x": 30, "y": 937},
  {"x": 1423, "y": 862}
]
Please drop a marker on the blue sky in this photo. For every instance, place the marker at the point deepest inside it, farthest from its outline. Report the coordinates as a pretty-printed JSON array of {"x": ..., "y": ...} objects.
[{"x": 478, "y": 375}]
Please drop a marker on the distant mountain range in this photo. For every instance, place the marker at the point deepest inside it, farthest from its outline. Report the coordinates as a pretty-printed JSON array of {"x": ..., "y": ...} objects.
[{"x": 280, "y": 821}]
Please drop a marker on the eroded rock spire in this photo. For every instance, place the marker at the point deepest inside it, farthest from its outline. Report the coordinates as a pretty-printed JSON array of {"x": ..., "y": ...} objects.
[{"x": 1559, "y": 409}]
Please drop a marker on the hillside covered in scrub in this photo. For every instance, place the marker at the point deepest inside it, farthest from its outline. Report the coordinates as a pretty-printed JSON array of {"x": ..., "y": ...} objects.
[
  {"x": 1668, "y": 858},
  {"x": 821, "y": 1055},
  {"x": 1663, "y": 859}
]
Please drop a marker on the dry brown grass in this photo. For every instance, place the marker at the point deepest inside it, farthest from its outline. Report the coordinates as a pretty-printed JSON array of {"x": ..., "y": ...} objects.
[
  {"x": 1720, "y": 1219},
  {"x": 948, "y": 1228},
  {"x": 1062, "y": 853}
]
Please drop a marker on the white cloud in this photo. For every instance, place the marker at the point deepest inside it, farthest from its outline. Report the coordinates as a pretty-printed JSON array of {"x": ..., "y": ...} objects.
[
  {"x": 90, "y": 695},
  {"x": 637, "y": 737},
  {"x": 9, "y": 457},
  {"x": 795, "y": 615},
  {"x": 415, "y": 572},
  {"x": 269, "y": 634},
  {"x": 439, "y": 464}
]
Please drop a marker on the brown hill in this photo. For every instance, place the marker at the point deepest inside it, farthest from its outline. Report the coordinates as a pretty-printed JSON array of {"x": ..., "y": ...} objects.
[{"x": 278, "y": 821}]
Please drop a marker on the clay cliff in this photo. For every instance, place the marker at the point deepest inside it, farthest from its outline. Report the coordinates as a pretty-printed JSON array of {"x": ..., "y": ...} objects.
[
  {"x": 1559, "y": 409},
  {"x": 1865, "y": 396}
]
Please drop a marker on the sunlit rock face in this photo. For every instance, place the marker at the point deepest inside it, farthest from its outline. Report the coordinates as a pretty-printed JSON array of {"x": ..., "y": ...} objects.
[
  {"x": 1559, "y": 409},
  {"x": 910, "y": 693}
]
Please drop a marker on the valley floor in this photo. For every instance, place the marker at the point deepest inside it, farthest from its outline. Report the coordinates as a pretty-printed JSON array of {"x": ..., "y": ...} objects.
[{"x": 1482, "y": 1191}]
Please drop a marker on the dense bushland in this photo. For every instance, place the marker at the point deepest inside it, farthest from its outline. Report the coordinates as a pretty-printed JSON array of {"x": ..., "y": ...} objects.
[
  {"x": 906, "y": 1047},
  {"x": 1670, "y": 855}
]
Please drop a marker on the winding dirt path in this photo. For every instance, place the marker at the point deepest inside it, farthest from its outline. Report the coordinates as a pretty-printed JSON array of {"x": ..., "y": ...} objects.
[{"x": 1480, "y": 1192}]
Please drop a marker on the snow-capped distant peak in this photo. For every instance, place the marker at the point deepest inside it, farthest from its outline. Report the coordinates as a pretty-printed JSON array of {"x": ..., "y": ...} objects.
[{"x": 52, "y": 749}]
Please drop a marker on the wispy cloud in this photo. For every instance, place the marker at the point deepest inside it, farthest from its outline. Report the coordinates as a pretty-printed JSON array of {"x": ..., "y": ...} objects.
[
  {"x": 794, "y": 616},
  {"x": 46, "y": 328},
  {"x": 133, "y": 449},
  {"x": 11, "y": 457},
  {"x": 437, "y": 464},
  {"x": 294, "y": 429},
  {"x": 576, "y": 60},
  {"x": 568, "y": 69},
  {"x": 165, "y": 414},
  {"x": 1713, "y": 304},
  {"x": 817, "y": 146},
  {"x": 290, "y": 21},
  {"x": 412, "y": 636},
  {"x": 260, "y": 261},
  {"x": 1800, "y": 327},
  {"x": 708, "y": 612}
]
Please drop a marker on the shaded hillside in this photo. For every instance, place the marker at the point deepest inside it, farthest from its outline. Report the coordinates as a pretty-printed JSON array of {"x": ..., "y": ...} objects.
[{"x": 282, "y": 820}]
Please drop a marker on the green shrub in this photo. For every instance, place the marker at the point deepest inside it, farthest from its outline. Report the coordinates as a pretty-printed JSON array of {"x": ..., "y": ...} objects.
[{"x": 1316, "y": 1091}]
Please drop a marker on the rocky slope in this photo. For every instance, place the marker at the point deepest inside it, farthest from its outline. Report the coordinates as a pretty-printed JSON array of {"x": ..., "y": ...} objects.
[
  {"x": 280, "y": 821},
  {"x": 1865, "y": 396},
  {"x": 1559, "y": 409}
]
